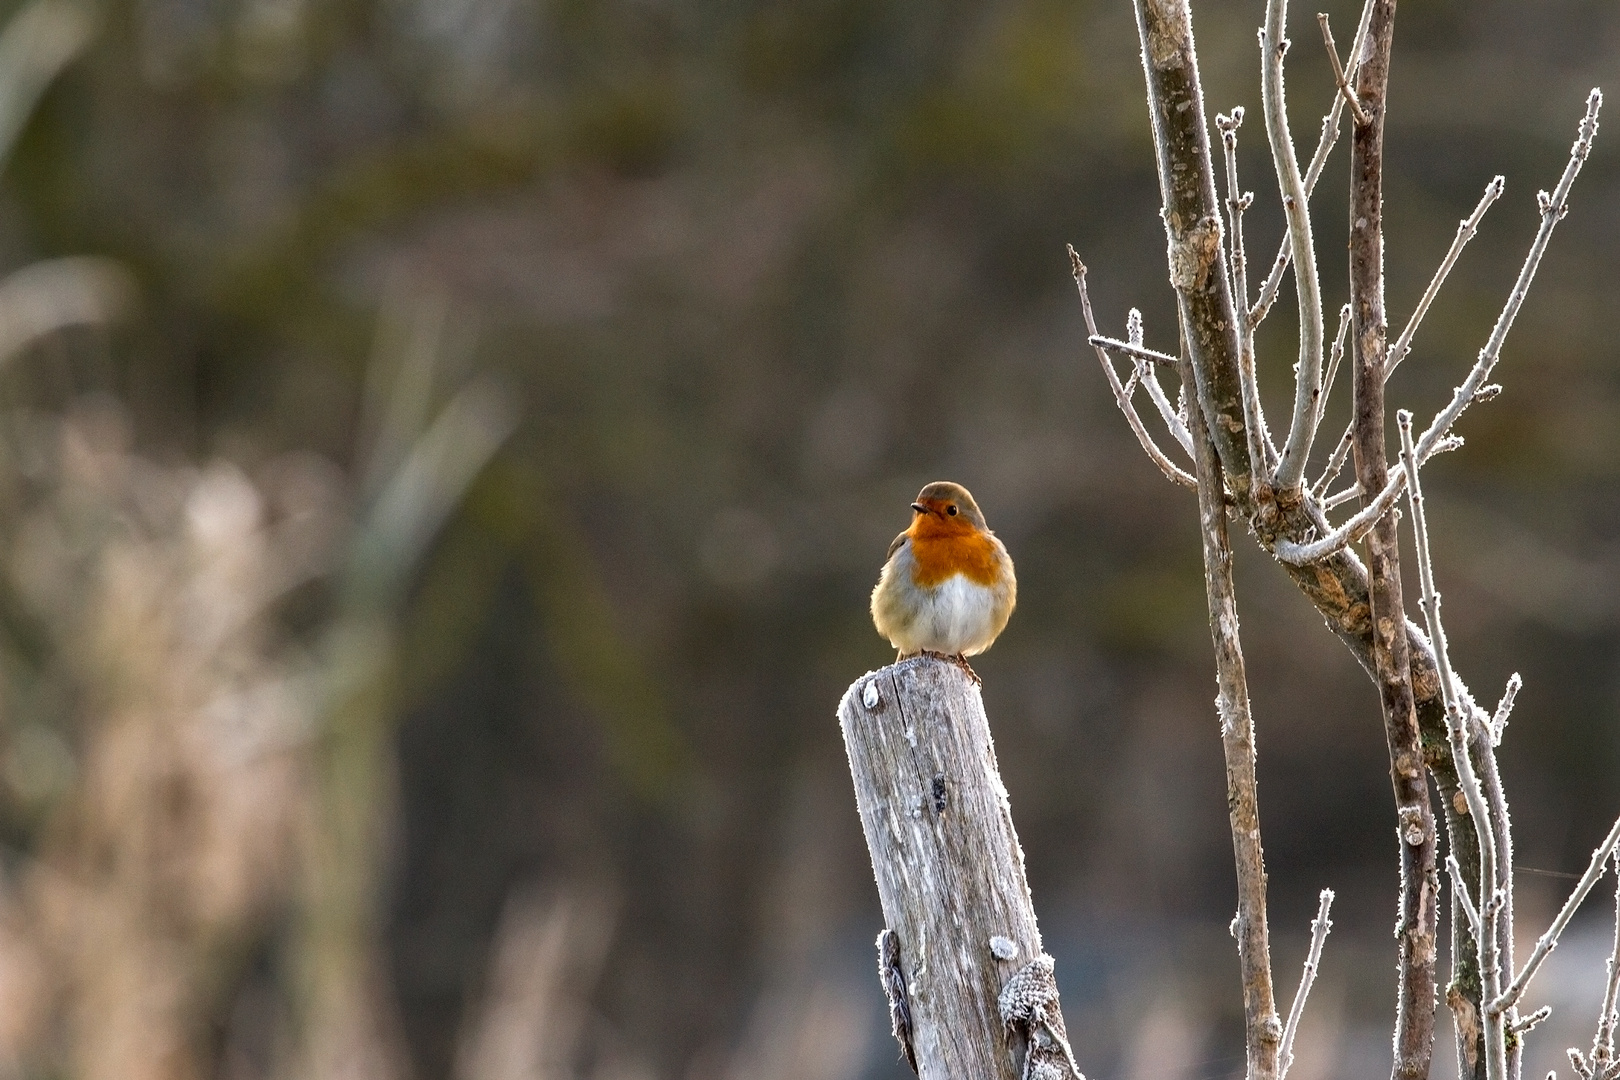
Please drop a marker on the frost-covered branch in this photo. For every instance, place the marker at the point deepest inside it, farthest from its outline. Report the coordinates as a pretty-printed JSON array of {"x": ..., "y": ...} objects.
[
  {"x": 1549, "y": 941},
  {"x": 1263, "y": 1029},
  {"x": 1345, "y": 92},
  {"x": 1324, "y": 146},
  {"x": 1296, "y": 209},
  {"x": 1262, "y": 454},
  {"x": 1307, "y": 978},
  {"x": 1459, "y": 721},
  {"x": 1465, "y": 232},
  {"x": 1123, "y": 399}
]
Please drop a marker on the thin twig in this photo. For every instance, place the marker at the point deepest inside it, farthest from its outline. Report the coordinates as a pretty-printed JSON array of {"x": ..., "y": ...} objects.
[
  {"x": 1261, "y": 452},
  {"x": 1525, "y": 1023},
  {"x": 1319, "y": 932},
  {"x": 1166, "y": 466},
  {"x": 1308, "y": 376},
  {"x": 1136, "y": 352},
  {"x": 1465, "y": 232},
  {"x": 1150, "y": 380},
  {"x": 1403, "y": 344},
  {"x": 1334, "y": 359},
  {"x": 1504, "y": 708},
  {"x": 1340, "y": 455},
  {"x": 1459, "y": 889},
  {"x": 1349, "y": 494},
  {"x": 1603, "y": 1043},
  {"x": 1348, "y": 94},
  {"x": 1324, "y": 145},
  {"x": 1549, "y": 941}
]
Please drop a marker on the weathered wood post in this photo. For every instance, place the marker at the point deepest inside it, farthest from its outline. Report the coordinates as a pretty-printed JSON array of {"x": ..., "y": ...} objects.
[{"x": 971, "y": 992}]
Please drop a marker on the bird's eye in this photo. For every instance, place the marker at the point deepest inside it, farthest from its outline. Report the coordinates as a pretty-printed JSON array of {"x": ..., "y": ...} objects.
[{"x": 951, "y": 510}]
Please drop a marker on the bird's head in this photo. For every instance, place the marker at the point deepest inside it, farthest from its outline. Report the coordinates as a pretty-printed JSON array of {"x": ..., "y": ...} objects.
[{"x": 947, "y": 506}]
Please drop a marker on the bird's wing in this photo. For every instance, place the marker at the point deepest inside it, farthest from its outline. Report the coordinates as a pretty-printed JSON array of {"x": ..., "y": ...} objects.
[{"x": 894, "y": 547}]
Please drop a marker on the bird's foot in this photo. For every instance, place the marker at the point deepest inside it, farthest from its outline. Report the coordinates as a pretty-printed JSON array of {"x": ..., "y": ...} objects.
[{"x": 959, "y": 660}]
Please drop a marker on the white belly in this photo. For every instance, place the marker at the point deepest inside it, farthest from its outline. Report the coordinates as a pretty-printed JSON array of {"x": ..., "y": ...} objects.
[{"x": 955, "y": 616}]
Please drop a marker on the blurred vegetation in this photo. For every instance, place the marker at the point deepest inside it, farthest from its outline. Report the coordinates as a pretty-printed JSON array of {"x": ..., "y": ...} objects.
[{"x": 326, "y": 750}]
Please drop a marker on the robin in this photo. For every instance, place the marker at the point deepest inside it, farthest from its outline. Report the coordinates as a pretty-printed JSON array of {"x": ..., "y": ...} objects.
[{"x": 948, "y": 587}]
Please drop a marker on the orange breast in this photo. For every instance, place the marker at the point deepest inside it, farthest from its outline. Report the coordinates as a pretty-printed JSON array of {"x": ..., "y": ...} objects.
[{"x": 940, "y": 553}]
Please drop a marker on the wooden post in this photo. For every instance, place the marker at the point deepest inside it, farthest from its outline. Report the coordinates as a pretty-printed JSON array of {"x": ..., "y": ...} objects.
[{"x": 970, "y": 989}]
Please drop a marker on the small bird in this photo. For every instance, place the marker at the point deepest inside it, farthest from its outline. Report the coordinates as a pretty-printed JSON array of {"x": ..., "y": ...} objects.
[{"x": 948, "y": 587}]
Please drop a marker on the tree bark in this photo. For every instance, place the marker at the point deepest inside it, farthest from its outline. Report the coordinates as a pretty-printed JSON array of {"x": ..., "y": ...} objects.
[
  {"x": 970, "y": 988},
  {"x": 1262, "y": 1029},
  {"x": 1418, "y": 920}
]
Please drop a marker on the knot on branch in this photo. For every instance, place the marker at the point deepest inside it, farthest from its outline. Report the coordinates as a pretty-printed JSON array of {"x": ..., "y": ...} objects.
[
  {"x": 1193, "y": 253},
  {"x": 1029, "y": 1008}
]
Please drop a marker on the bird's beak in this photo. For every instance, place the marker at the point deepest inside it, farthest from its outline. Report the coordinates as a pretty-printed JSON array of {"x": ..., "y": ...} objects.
[{"x": 920, "y": 508}]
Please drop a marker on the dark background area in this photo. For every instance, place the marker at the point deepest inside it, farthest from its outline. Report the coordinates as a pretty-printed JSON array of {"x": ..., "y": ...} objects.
[{"x": 749, "y": 274}]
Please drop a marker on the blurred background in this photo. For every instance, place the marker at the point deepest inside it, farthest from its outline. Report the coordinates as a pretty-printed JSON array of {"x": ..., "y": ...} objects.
[{"x": 446, "y": 447}]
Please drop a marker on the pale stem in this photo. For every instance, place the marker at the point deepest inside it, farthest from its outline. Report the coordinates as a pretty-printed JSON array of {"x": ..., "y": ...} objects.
[
  {"x": 1504, "y": 708},
  {"x": 1319, "y": 932},
  {"x": 1349, "y": 494},
  {"x": 1308, "y": 377},
  {"x": 1324, "y": 145},
  {"x": 1549, "y": 941},
  {"x": 1603, "y": 1044},
  {"x": 1459, "y": 890},
  {"x": 1146, "y": 359},
  {"x": 1457, "y": 719},
  {"x": 1166, "y": 466},
  {"x": 1261, "y": 452},
  {"x": 1403, "y": 344},
  {"x": 1334, "y": 358},
  {"x": 1465, "y": 232},
  {"x": 1348, "y": 94}
]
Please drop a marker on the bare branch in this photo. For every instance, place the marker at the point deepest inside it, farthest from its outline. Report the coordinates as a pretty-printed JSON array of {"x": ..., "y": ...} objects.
[
  {"x": 1459, "y": 889},
  {"x": 1150, "y": 379},
  {"x": 1549, "y": 941},
  {"x": 1135, "y": 351},
  {"x": 1603, "y": 1044},
  {"x": 1334, "y": 359},
  {"x": 1351, "y": 531},
  {"x": 1324, "y": 145},
  {"x": 1504, "y": 708},
  {"x": 1166, "y": 466},
  {"x": 1308, "y": 376},
  {"x": 1319, "y": 932},
  {"x": 1263, "y": 1030},
  {"x": 1465, "y": 232},
  {"x": 1349, "y": 494},
  {"x": 1170, "y": 414},
  {"x": 1457, "y": 724},
  {"x": 1418, "y": 922},
  {"x": 1348, "y": 94},
  {"x": 1525, "y": 1023},
  {"x": 1261, "y": 452},
  {"x": 1341, "y": 454}
]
